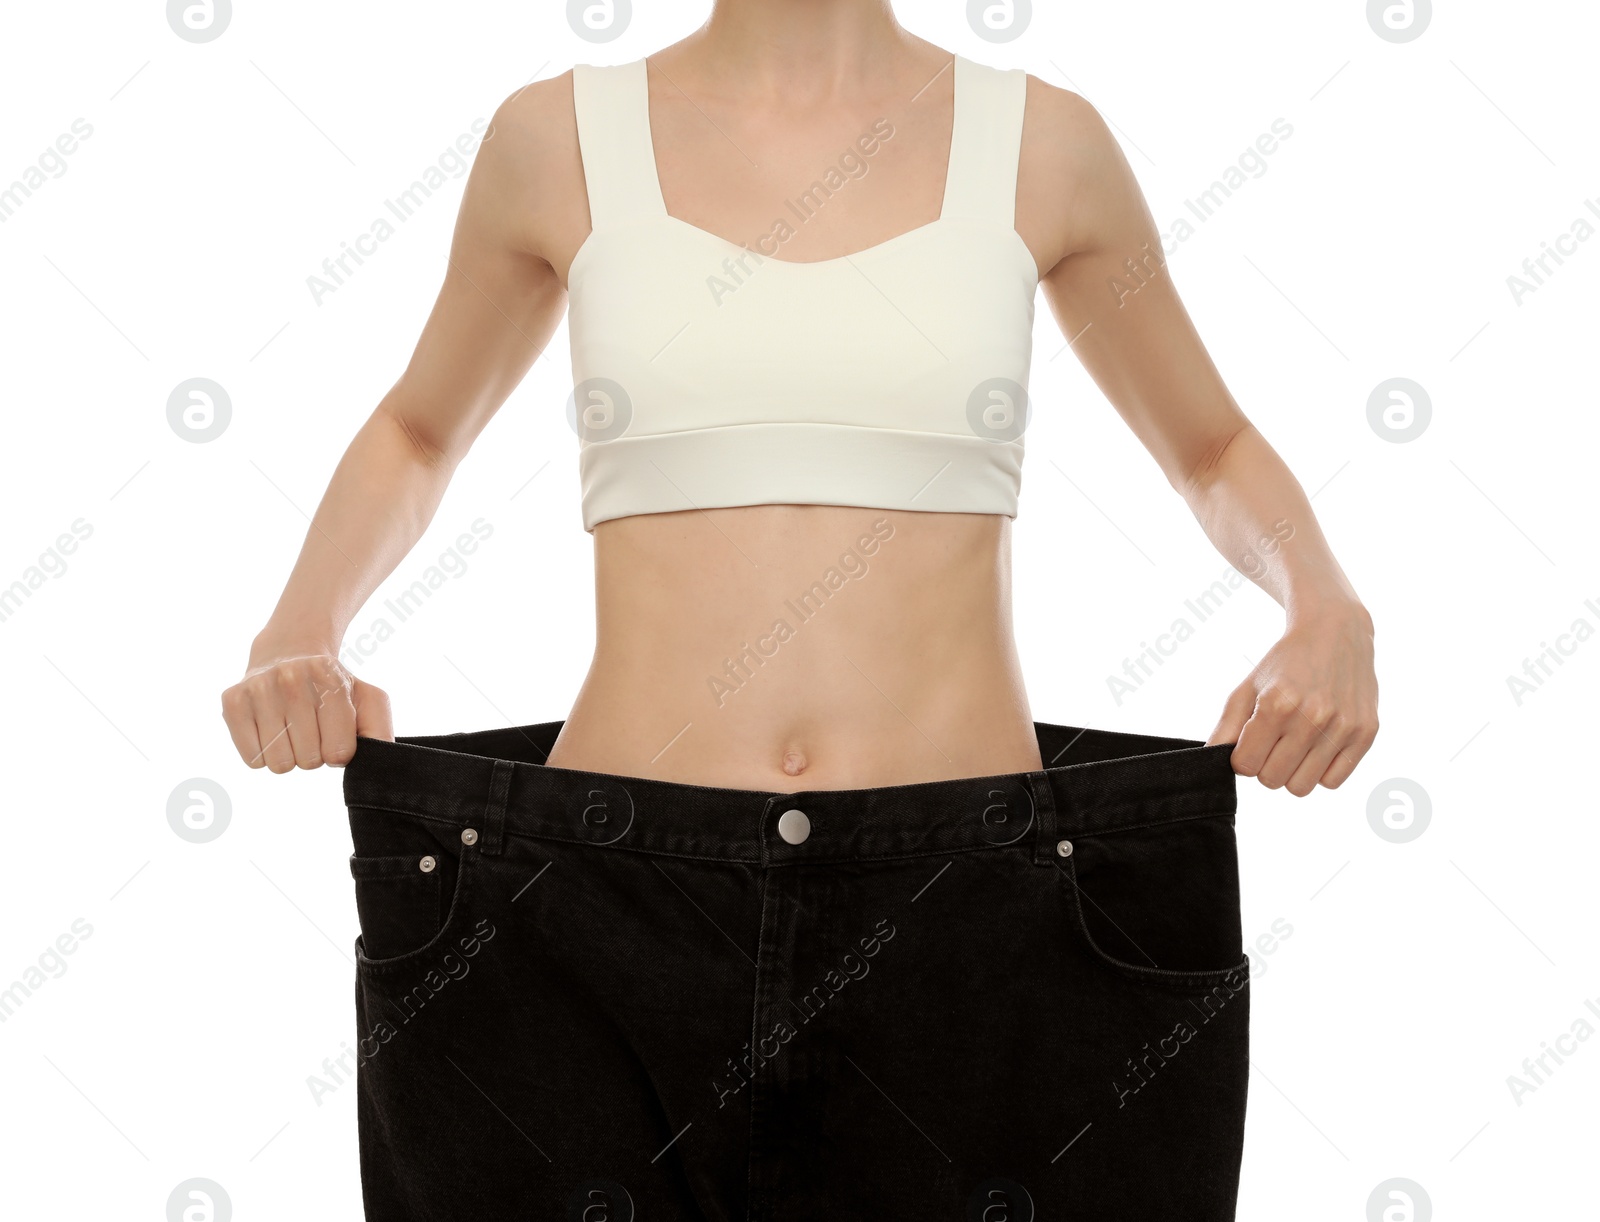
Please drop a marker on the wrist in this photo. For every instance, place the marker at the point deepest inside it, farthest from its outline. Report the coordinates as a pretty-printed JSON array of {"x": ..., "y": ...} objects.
[
  {"x": 278, "y": 641},
  {"x": 1329, "y": 606}
]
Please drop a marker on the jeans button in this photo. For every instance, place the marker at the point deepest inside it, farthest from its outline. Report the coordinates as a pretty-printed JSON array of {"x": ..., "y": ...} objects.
[
  {"x": 426, "y": 865},
  {"x": 794, "y": 827},
  {"x": 469, "y": 836},
  {"x": 1064, "y": 848}
]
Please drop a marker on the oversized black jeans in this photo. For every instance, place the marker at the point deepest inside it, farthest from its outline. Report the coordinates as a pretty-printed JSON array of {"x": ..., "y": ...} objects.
[{"x": 585, "y": 996}]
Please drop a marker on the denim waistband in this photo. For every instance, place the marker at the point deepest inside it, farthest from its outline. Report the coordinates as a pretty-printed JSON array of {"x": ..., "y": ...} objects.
[{"x": 1093, "y": 782}]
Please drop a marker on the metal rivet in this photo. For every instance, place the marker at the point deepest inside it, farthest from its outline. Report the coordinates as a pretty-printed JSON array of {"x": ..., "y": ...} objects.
[
  {"x": 468, "y": 836},
  {"x": 794, "y": 827},
  {"x": 1063, "y": 848},
  {"x": 426, "y": 865}
]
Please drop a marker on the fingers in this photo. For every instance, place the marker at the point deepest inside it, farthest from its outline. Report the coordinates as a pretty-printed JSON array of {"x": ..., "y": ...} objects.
[
  {"x": 1280, "y": 737},
  {"x": 277, "y": 753},
  {"x": 373, "y": 716},
  {"x": 1235, "y": 713},
  {"x": 1299, "y": 739},
  {"x": 1268, "y": 721},
  {"x": 305, "y": 738},
  {"x": 1312, "y": 768},
  {"x": 1295, "y": 745},
  {"x": 1349, "y": 755},
  {"x": 336, "y": 722},
  {"x": 298, "y": 712},
  {"x": 241, "y": 723}
]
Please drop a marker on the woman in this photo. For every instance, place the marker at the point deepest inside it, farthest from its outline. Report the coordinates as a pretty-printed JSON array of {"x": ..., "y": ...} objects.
[{"x": 798, "y": 913}]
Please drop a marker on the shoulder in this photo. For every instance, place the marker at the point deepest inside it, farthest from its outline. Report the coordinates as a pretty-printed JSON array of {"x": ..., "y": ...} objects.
[
  {"x": 1066, "y": 143},
  {"x": 529, "y": 169},
  {"x": 1071, "y": 173},
  {"x": 532, "y": 128},
  {"x": 538, "y": 108},
  {"x": 1062, "y": 129}
]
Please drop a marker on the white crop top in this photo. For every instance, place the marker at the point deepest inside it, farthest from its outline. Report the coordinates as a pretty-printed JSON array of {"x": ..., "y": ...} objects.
[{"x": 709, "y": 374}]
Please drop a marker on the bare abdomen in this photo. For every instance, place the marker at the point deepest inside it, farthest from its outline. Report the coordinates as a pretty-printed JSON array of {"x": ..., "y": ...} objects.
[{"x": 802, "y": 646}]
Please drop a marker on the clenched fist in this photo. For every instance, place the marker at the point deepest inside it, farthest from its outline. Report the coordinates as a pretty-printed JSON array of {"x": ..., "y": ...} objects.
[
  {"x": 1308, "y": 711},
  {"x": 303, "y": 711}
]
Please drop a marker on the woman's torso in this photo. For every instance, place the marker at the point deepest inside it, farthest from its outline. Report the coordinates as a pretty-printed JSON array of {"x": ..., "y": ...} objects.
[
  {"x": 798, "y": 646},
  {"x": 802, "y": 646}
]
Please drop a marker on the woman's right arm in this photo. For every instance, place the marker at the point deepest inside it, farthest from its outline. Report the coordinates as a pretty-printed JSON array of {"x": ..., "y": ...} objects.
[{"x": 297, "y": 705}]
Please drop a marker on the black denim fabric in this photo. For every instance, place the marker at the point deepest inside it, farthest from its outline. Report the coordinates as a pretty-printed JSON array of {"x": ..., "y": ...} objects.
[{"x": 999, "y": 999}]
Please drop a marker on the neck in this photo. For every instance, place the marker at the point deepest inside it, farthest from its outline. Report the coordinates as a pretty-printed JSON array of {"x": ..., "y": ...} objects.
[{"x": 800, "y": 52}]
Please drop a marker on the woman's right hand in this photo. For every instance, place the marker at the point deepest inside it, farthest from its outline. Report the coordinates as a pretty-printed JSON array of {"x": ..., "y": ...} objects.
[
  {"x": 500, "y": 302},
  {"x": 302, "y": 710}
]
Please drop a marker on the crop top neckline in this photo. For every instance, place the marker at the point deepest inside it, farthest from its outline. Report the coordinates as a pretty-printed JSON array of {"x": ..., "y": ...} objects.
[
  {"x": 651, "y": 184},
  {"x": 892, "y": 377}
]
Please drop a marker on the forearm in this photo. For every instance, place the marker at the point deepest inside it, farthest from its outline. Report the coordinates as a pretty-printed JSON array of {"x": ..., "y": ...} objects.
[
  {"x": 381, "y": 498},
  {"x": 1256, "y": 514}
]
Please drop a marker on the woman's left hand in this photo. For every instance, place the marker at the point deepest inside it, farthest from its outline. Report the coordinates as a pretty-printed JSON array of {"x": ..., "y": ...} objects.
[{"x": 1308, "y": 712}]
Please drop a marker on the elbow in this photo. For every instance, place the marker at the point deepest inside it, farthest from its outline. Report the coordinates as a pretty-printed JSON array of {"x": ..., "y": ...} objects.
[
  {"x": 428, "y": 451},
  {"x": 1195, "y": 477}
]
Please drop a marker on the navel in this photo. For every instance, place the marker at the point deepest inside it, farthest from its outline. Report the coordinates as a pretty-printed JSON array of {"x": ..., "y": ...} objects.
[{"x": 794, "y": 763}]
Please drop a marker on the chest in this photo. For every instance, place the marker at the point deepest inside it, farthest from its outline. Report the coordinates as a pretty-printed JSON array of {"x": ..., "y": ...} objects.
[{"x": 803, "y": 187}]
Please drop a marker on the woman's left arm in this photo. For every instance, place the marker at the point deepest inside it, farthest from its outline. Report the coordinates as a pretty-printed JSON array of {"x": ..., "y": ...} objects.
[{"x": 1308, "y": 711}]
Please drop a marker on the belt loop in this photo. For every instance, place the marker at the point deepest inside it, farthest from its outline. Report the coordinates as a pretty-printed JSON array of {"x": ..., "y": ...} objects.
[
  {"x": 1044, "y": 806},
  {"x": 494, "y": 815},
  {"x": 763, "y": 852}
]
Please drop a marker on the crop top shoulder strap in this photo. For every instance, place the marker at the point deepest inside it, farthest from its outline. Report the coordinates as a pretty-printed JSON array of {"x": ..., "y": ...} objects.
[
  {"x": 710, "y": 373},
  {"x": 985, "y": 143},
  {"x": 619, "y": 169},
  {"x": 612, "y": 105}
]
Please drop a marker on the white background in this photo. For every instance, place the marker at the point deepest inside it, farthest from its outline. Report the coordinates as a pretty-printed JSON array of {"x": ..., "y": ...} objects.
[{"x": 179, "y": 1039}]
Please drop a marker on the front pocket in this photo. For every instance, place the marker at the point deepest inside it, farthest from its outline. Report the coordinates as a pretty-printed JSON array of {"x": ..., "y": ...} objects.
[
  {"x": 1159, "y": 904},
  {"x": 412, "y": 878},
  {"x": 397, "y": 902}
]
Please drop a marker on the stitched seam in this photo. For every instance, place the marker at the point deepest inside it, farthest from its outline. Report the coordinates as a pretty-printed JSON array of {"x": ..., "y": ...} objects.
[
  {"x": 452, "y": 921},
  {"x": 1019, "y": 844},
  {"x": 1135, "y": 827},
  {"x": 755, "y": 1018},
  {"x": 964, "y": 439},
  {"x": 1140, "y": 972}
]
